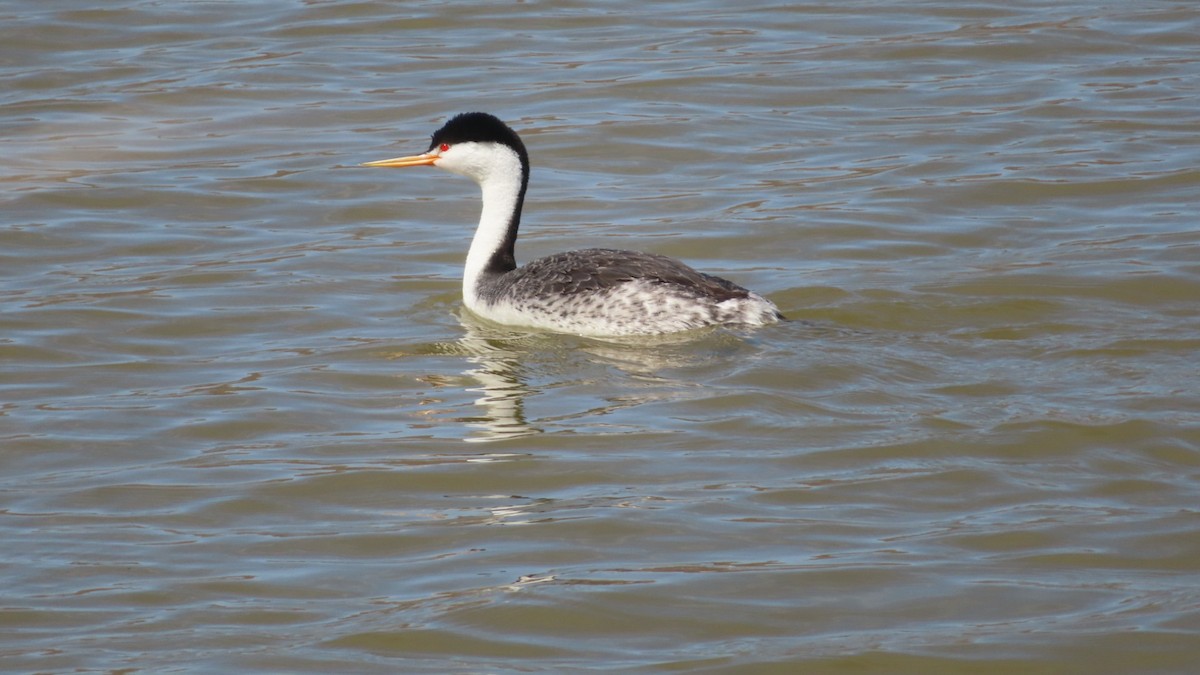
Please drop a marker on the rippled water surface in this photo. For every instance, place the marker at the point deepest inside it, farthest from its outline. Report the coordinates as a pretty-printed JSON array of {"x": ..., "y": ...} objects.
[{"x": 245, "y": 424}]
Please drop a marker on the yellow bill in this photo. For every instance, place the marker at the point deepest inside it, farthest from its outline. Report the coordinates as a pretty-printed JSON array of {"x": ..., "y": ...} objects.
[{"x": 412, "y": 160}]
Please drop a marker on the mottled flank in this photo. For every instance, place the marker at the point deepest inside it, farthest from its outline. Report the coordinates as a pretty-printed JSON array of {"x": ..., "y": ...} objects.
[{"x": 611, "y": 292}]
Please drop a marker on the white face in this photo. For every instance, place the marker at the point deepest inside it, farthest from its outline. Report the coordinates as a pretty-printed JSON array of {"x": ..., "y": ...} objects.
[{"x": 479, "y": 161}]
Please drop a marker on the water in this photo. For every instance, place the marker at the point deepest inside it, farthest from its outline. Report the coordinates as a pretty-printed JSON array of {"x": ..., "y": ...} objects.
[{"x": 247, "y": 427}]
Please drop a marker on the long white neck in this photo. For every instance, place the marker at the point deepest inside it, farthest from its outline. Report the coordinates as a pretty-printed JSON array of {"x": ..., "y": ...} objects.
[{"x": 500, "y": 180}]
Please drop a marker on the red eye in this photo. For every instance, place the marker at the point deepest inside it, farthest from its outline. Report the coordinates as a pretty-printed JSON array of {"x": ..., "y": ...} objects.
[{"x": 443, "y": 147}]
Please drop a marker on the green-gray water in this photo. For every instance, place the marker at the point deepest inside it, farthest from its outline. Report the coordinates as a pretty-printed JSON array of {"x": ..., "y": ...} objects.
[{"x": 245, "y": 428}]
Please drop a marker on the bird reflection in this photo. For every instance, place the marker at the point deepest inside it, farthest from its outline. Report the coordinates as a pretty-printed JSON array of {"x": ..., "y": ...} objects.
[
  {"x": 496, "y": 367},
  {"x": 503, "y": 361}
]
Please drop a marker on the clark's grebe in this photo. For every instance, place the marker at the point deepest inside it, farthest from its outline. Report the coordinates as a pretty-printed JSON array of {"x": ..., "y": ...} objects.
[{"x": 599, "y": 292}]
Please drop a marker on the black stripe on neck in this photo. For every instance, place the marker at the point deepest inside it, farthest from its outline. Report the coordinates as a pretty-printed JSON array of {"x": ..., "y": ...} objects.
[{"x": 504, "y": 258}]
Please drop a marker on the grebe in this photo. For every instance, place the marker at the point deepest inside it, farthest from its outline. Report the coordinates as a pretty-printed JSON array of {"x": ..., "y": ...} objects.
[{"x": 597, "y": 292}]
